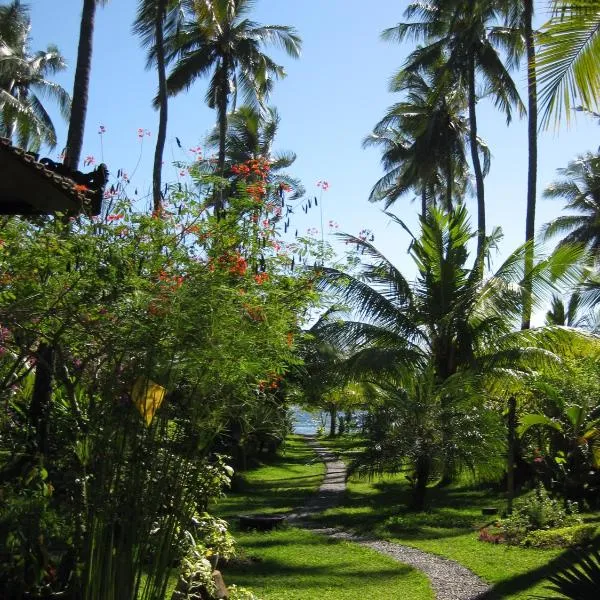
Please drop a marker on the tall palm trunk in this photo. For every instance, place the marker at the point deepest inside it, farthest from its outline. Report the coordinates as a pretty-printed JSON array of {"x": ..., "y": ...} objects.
[
  {"x": 424, "y": 201},
  {"x": 532, "y": 168},
  {"x": 81, "y": 85},
  {"x": 449, "y": 183},
  {"x": 476, "y": 163},
  {"x": 222, "y": 102},
  {"x": 161, "y": 6},
  {"x": 332, "y": 419}
]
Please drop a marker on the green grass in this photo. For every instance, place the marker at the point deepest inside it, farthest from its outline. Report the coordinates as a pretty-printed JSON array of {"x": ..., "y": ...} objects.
[
  {"x": 293, "y": 564},
  {"x": 448, "y": 528},
  {"x": 279, "y": 485}
]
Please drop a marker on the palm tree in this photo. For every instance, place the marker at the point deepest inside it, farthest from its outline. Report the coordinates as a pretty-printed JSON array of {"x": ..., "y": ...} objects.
[
  {"x": 250, "y": 136},
  {"x": 448, "y": 320},
  {"x": 222, "y": 40},
  {"x": 423, "y": 141},
  {"x": 456, "y": 34},
  {"x": 517, "y": 38},
  {"x": 154, "y": 17},
  {"x": 24, "y": 82},
  {"x": 567, "y": 61},
  {"x": 580, "y": 187},
  {"x": 81, "y": 84}
]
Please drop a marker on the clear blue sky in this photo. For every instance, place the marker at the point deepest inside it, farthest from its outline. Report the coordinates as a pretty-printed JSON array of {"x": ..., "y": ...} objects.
[{"x": 330, "y": 100}]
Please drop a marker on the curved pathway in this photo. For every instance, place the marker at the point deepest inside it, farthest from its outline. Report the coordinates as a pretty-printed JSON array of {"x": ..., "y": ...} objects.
[{"x": 449, "y": 580}]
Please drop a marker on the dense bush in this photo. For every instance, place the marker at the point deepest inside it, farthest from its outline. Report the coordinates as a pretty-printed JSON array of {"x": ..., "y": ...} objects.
[
  {"x": 162, "y": 339},
  {"x": 561, "y": 537},
  {"x": 538, "y": 512}
]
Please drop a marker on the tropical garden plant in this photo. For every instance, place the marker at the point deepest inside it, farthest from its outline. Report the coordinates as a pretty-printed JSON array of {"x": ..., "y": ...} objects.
[
  {"x": 25, "y": 82},
  {"x": 171, "y": 335},
  {"x": 448, "y": 322},
  {"x": 218, "y": 39}
]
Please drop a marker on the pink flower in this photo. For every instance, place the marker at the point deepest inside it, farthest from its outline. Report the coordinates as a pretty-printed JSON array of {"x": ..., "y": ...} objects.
[
  {"x": 140, "y": 132},
  {"x": 101, "y": 129},
  {"x": 89, "y": 161}
]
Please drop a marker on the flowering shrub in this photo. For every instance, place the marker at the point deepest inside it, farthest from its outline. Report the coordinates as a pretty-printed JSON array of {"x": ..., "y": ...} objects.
[
  {"x": 203, "y": 308},
  {"x": 538, "y": 512}
]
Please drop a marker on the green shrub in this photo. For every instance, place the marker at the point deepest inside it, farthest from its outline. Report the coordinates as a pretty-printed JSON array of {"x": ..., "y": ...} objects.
[
  {"x": 240, "y": 593},
  {"x": 563, "y": 537},
  {"x": 538, "y": 512}
]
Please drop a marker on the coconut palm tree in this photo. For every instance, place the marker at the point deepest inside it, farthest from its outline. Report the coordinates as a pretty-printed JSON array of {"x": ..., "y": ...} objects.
[
  {"x": 517, "y": 38},
  {"x": 250, "y": 136},
  {"x": 154, "y": 19},
  {"x": 423, "y": 141},
  {"x": 448, "y": 320},
  {"x": 81, "y": 83},
  {"x": 221, "y": 41},
  {"x": 456, "y": 35},
  {"x": 580, "y": 187},
  {"x": 24, "y": 82},
  {"x": 567, "y": 61}
]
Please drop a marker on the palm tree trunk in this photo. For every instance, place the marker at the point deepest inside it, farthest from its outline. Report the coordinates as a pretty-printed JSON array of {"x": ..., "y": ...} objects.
[
  {"x": 511, "y": 452},
  {"x": 422, "y": 472},
  {"x": 163, "y": 98},
  {"x": 476, "y": 164},
  {"x": 449, "y": 183},
  {"x": 333, "y": 419},
  {"x": 81, "y": 85},
  {"x": 532, "y": 110},
  {"x": 222, "y": 103},
  {"x": 424, "y": 201}
]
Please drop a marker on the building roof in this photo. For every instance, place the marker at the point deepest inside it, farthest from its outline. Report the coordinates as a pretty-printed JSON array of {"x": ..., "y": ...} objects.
[{"x": 30, "y": 186}]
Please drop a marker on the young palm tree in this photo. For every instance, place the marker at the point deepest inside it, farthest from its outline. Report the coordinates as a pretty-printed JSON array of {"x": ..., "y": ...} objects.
[
  {"x": 448, "y": 320},
  {"x": 423, "y": 141},
  {"x": 456, "y": 34},
  {"x": 24, "y": 82},
  {"x": 580, "y": 187},
  {"x": 221, "y": 41},
  {"x": 250, "y": 135},
  {"x": 81, "y": 84}
]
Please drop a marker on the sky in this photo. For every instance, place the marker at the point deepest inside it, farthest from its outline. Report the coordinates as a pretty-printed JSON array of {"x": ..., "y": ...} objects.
[{"x": 329, "y": 101}]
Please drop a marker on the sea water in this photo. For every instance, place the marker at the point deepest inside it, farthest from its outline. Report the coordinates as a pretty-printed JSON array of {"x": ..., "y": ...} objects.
[{"x": 306, "y": 423}]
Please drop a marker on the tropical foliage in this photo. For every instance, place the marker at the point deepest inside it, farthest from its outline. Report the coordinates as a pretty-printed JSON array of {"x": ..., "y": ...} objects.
[{"x": 25, "y": 82}]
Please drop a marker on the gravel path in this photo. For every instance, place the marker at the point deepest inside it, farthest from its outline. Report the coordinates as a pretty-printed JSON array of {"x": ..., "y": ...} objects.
[{"x": 449, "y": 580}]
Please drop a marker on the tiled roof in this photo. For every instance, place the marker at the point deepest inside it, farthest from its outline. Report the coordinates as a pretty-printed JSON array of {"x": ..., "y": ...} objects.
[{"x": 50, "y": 181}]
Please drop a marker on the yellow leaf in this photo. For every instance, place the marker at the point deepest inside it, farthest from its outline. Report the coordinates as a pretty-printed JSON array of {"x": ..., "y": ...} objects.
[{"x": 147, "y": 397}]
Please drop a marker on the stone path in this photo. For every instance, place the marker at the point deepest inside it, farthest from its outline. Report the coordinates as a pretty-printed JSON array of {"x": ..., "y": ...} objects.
[{"x": 449, "y": 580}]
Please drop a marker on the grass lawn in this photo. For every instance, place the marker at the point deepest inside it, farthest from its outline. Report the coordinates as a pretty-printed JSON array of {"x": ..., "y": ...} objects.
[
  {"x": 279, "y": 485},
  {"x": 293, "y": 564},
  {"x": 448, "y": 528}
]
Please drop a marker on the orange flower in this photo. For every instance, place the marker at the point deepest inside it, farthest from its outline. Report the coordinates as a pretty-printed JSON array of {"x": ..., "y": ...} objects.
[{"x": 261, "y": 278}]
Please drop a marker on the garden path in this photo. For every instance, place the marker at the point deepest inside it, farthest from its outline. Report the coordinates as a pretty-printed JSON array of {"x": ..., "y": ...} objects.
[{"x": 449, "y": 580}]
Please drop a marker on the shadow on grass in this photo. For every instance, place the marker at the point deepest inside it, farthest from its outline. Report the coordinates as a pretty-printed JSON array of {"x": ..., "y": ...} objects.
[{"x": 522, "y": 582}]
